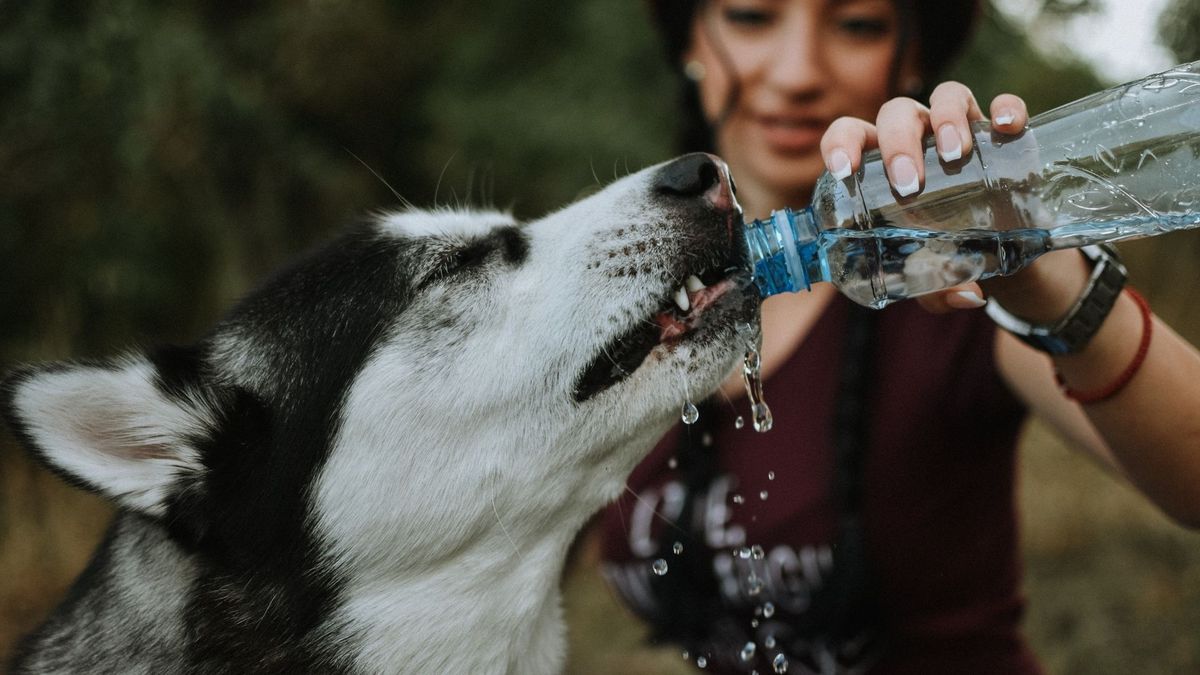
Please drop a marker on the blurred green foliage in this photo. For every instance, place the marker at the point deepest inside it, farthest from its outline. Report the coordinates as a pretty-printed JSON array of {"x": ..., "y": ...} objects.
[
  {"x": 1179, "y": 25},
  {"x": 156, "y": 158}
]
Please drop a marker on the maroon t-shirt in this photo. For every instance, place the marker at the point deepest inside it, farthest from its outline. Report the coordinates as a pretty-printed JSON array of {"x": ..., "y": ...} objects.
[{"x": 938, "y": 504}]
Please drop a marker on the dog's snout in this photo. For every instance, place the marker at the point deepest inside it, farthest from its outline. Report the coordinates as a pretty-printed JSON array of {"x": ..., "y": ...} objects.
[{"x": 689, "y": 176}]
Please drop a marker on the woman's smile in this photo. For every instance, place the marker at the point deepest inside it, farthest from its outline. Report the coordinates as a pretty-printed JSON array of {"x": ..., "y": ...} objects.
[{"x": 790, "y": 133}]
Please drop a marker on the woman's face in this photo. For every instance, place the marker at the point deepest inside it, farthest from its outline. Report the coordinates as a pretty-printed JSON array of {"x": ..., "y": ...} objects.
[{"x": 797, "y": 65}]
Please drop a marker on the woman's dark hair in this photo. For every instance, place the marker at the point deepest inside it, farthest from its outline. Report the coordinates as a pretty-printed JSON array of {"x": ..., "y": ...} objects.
[{"x": 951, "y": 21}]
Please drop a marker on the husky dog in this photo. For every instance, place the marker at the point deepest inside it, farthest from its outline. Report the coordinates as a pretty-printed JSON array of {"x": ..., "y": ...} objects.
[{"x": 377, "y": 461}]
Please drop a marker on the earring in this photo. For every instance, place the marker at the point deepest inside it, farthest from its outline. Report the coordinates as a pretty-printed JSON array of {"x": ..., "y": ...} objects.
[{"x": 693, "y": 70}]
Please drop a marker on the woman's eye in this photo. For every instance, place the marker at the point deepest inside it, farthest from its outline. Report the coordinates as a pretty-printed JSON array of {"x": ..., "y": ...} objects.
[
  {"x": 746, "y": 17},
  {"x": 864, "y": 27}
]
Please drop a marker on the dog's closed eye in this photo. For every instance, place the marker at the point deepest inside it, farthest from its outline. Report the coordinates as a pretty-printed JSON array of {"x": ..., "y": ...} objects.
[{"x": 463, "y": 256}]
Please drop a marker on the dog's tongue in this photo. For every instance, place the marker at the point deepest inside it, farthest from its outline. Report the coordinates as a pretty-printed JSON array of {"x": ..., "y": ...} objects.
[{"x": 669, "y": 327}]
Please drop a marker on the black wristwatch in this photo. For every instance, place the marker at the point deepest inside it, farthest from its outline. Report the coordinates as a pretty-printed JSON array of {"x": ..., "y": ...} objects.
[{"x": 1071, "y": 333}]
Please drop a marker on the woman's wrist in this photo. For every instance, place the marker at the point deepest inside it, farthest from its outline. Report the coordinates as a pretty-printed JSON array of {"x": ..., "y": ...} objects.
[
  {"x": 1071, "y": 330},
  {"x": 1045, "y": 291},
  {"x": 1114, "y": 355}
]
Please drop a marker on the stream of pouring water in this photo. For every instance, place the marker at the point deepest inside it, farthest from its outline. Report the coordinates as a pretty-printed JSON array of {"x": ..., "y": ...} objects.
[{"x": 760, "y": 413}]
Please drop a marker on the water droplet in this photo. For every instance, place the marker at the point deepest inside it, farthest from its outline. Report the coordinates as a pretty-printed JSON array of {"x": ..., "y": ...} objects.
[
  {"x": 738, "y": 499},
  {"x": 780, "y": 663},
  {"x": 739, "y": 422},
  {"x": 659, "y": 567},
  {"x": 677, "y": 548},
  {"x": 743, "y": 553},
  {"x": 756, "y": 552},
  {"x": 763, "y": 421},
  {"x": 768, "y": 610},
  {"x": 754, "y": 623},
  {"x": 770, "y": 642},
  {"x": 701, "y": 662},
  {"x": 770, "y": 475},
  {"x": 748, "y": 651},
  {"x": 763, "y": 495},
  {"x": 686, "y": 655},
  {"x": 748, "y": 333},
  {"x": 754, "y": 584},
  {"x": 690, "y": 414}
]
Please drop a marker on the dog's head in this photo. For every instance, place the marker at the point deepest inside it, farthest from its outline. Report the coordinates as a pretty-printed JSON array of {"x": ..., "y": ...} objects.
[{"x": 427, "y": 375}]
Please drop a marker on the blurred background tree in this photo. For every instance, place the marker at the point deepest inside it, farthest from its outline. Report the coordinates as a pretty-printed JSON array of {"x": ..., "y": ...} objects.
[
  {"x": 1180, "y": 28},
  {"x": 158, "y": 158}
]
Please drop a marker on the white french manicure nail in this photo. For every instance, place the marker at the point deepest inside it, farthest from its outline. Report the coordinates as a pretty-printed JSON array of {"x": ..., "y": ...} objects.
[
  {"x": 839, "y": 164},
  {"x": 903, "y": 173},
  {"x": 949, "y": 144},
  {"x": 972, "y": 298}
]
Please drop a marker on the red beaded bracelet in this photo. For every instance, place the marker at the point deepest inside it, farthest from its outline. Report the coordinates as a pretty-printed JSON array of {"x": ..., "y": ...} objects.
[{"x": 1123, "y": 379}]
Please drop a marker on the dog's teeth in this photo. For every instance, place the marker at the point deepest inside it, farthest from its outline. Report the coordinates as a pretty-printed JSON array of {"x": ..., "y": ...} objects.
[
  {"x": 693, "y": 284},
  {"x": 681, "y": 299}
]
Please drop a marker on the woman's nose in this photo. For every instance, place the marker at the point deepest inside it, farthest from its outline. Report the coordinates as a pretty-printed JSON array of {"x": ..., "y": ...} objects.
[{"x": 797, "y": 66}]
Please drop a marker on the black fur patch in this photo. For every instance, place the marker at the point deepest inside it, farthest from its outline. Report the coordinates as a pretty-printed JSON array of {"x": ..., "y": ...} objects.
[{"x": 314, "y": 325}]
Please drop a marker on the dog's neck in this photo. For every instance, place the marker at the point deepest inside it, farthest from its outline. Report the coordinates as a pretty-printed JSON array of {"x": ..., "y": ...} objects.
[{"x": 492, "y": 608}]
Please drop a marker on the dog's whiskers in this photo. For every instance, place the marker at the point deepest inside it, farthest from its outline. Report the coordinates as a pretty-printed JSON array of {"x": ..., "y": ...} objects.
[
  {"x": 492, "y": 500},
  {"x": 592, "y": 166},
  {"x": 653, "y": 510},
  {"x": 437, "y": 188},
  {"x": 403, "y": 201}
]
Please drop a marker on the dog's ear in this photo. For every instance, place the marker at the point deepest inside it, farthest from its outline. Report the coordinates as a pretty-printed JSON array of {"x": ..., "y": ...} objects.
[{"x": 127, "y": 428}]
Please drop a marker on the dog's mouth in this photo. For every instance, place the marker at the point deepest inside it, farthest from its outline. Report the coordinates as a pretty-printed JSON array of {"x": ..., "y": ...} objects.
[{"x": 675, "y": 321}]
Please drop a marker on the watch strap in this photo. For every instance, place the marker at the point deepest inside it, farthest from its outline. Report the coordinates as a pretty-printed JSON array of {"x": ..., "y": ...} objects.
[{"x": 1075, "y": 329}]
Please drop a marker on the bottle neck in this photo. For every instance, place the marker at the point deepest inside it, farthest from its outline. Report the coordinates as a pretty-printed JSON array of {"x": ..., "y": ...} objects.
[{"x": 783, "y": 252}]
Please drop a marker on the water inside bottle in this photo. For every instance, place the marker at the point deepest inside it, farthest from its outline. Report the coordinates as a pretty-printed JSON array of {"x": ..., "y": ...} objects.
[{"x": 879, "y": 266}]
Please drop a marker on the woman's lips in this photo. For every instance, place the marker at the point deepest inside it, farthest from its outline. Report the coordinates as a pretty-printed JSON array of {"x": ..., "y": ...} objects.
[{"x": 792, "y": 135}]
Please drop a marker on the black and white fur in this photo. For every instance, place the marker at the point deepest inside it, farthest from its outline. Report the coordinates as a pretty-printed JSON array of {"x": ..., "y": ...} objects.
[{"x": 376, "y": 462}]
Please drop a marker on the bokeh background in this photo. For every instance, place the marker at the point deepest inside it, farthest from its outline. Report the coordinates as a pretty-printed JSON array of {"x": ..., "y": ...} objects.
[{"x": 156, "y": 159}]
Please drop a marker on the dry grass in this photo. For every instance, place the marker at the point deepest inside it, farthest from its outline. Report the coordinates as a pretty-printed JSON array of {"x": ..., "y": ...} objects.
[{"x": 47, "y": 533}]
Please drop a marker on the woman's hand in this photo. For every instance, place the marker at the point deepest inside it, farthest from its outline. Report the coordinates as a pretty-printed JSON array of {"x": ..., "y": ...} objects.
[
  {"x": 1148, "y": 429},
  {"x": 899, "y": 131}
]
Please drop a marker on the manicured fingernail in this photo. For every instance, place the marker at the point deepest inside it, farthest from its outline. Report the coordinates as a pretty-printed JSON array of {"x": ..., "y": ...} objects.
[
  {"x": 1005, "y": 117},
  {"x": 903, "y": 173},
  {"x": 972, "y": 299},
  {"x": 839, "y": 164},
  {"x": 949, "y": 144}
]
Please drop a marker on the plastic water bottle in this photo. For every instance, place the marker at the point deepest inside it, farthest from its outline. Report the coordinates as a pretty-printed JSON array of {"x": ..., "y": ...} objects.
[{"x": 1120, "y": 164}]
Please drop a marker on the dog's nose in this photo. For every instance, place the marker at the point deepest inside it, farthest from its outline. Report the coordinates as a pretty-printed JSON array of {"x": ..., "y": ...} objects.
[{"x": 689, "y": 176}]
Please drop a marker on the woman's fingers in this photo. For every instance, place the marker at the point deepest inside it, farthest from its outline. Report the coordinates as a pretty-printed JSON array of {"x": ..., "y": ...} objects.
[
  {"x": 1009, "y": 114},
  {"x": 901, "y": 127},
  {"x": 952, "y": 108},
  {"x": 843, "y": 144},
  {"x": 967, "y": 296}
]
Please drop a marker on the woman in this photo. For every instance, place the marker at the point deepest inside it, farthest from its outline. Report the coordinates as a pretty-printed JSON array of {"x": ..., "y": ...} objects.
[{"x": 874, "y": 528}]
